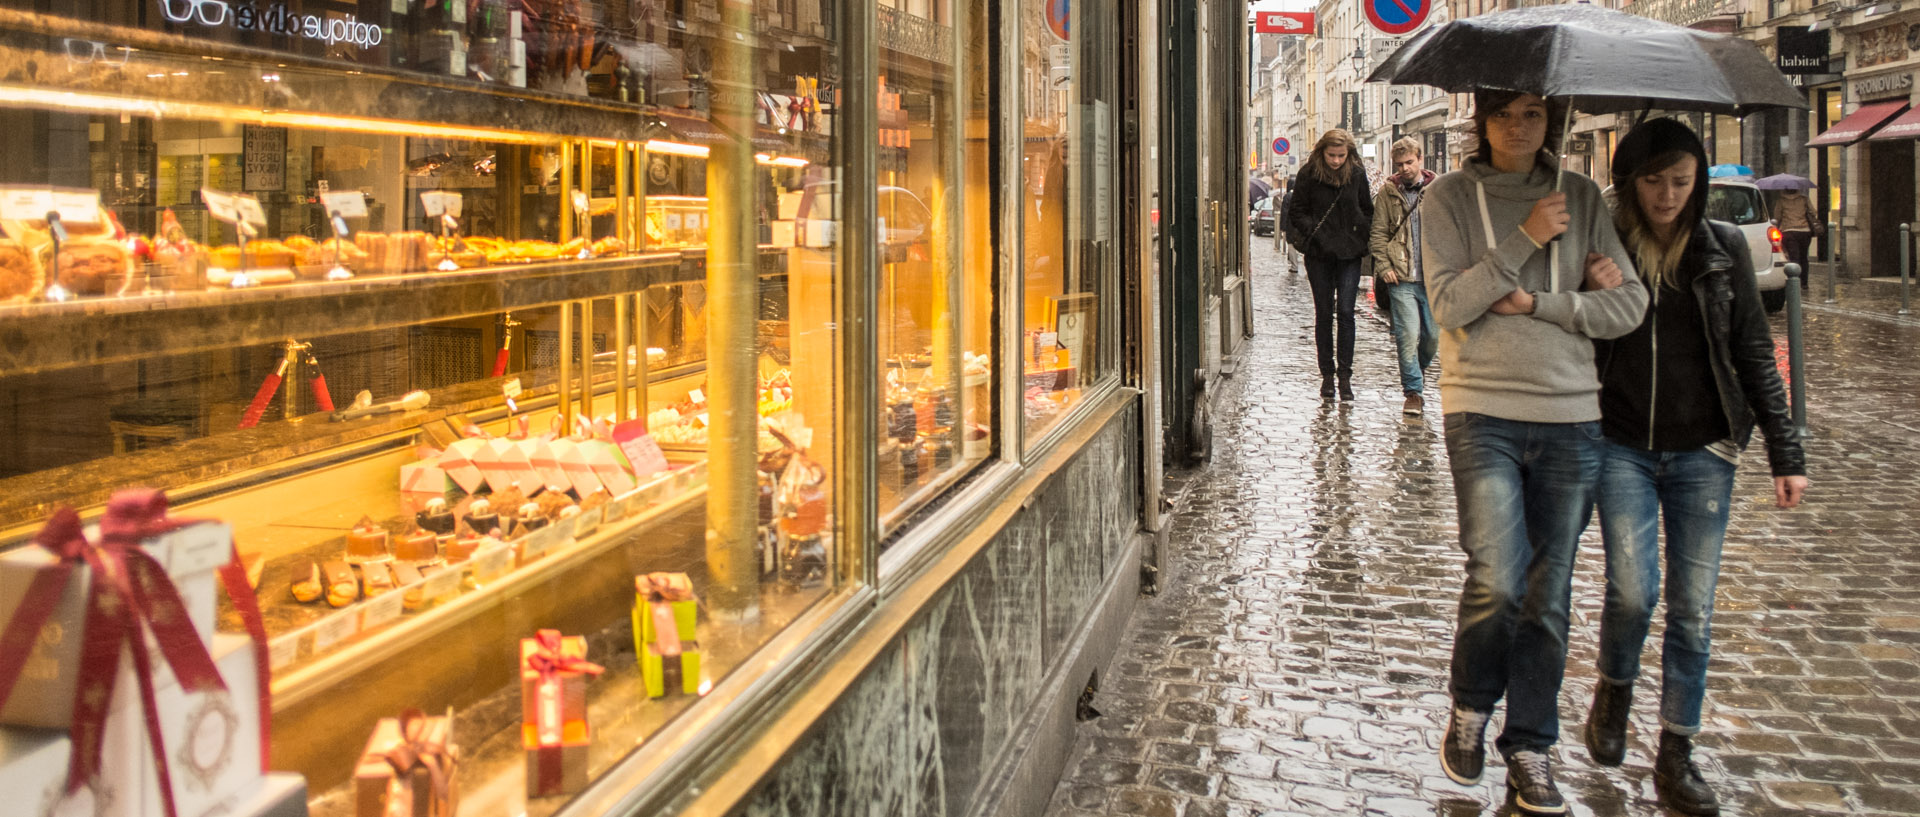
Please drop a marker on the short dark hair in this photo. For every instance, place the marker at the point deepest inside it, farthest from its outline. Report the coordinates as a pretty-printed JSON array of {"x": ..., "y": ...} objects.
[{"x": 1488, "y": 100}]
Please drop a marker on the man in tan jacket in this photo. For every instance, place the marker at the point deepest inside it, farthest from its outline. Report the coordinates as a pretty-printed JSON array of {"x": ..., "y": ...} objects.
[{"x": 1395, "y": 246}]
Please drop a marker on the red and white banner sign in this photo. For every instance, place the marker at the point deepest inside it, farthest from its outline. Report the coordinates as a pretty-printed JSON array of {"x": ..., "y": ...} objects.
[{"x": 1283, "y": 22}]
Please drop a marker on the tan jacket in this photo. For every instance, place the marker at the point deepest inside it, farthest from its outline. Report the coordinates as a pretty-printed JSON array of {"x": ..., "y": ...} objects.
[{"x": 1392, "y": 252}]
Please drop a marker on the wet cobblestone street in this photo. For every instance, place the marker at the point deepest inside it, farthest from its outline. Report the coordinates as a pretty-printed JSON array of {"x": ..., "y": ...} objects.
[{"x": 1296, "y": 659}]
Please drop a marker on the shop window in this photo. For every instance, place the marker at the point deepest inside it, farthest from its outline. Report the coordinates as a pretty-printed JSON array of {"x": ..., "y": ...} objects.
[
  {"x": 472, "y": 323},
  {"x": 936, "y": 251},
  {"x": 1067, "y": 209}
]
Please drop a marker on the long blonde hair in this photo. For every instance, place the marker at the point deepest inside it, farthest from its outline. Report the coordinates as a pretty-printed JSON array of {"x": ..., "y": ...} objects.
[
  {"x": 1318, "y": 161},
  {"x": 1654, "y": 257}
]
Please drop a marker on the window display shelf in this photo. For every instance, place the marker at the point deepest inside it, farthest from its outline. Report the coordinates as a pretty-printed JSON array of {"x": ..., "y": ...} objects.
[{"x": 46, "y": 336}]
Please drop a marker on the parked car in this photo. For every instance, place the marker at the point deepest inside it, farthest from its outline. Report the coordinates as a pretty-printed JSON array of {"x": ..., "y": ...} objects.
[
  {"x": 1261, "y": 221},
  {"x": 1735, "y": 200}
]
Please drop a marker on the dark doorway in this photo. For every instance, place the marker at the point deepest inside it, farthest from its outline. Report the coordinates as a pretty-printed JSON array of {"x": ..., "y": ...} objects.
[{"x": 1890, "y": 175}]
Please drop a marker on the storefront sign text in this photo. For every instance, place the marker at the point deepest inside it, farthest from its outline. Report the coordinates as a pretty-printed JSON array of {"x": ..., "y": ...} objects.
[
  {"x": 274, "y": 19},
  {"x": 1801, "y": 51},
  {"x": 1883, "y": 85}
]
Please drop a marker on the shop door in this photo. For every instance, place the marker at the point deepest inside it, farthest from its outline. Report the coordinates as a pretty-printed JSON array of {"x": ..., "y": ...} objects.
[{"x": 1890, "y": 172}]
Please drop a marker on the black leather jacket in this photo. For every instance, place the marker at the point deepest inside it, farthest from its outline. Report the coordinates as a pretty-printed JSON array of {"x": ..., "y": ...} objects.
[{"x": 1744, "y": 371}]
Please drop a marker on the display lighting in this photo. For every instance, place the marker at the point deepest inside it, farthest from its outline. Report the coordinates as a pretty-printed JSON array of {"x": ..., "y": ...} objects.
[
  {"x": 18, "y": 97},
  {"x": 677, "y": 148}
]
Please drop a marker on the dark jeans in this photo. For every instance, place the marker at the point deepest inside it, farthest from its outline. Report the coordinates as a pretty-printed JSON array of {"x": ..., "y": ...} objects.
[
  {"x": 1688, "y": 494},
  {"x": 1524, "y": 493},
  {"x": 1335, "y": 283},
  {"x": 1794, "y": 246}
]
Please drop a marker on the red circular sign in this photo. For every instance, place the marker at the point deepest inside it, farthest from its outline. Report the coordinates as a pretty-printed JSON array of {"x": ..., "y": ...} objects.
[
  {"x": 1397, "y": 16},
  {"x": 1060, "y": 17}
]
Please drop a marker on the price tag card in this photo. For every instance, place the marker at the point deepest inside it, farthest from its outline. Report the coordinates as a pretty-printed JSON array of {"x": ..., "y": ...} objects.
[
  {"x": 588, "y": 521},
  {"x": 25, "y": 203},
  {"x": 220, "y": 205},
  {"x": 76, "y": 207},
  {"x": 642, "y": 451},
  {"x": 490, "y": 563},
  {"x": 696, "y": 396},
  {"x": 536, "y": 544},
  {"x": 442, "y": 584},
  {"x": 348, "y": 203},
  {"x": 511, "y": 388},
  {"x": 283, "y": 650},
  {"x": 439, "y": 203},
  {"x": 249, "y": 210},
  {"x": 382, "y": 609},
  {"x": 331, "y": 631}
]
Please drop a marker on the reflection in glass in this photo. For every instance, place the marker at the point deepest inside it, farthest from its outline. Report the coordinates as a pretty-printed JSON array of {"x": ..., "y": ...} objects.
[{"x": 1067, "y": 166}]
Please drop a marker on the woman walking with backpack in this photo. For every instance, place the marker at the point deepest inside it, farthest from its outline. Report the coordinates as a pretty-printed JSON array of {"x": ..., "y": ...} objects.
[{"x": 1329, "y": 220}]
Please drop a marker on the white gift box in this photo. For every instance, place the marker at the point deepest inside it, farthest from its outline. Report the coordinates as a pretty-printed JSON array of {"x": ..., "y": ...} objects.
[
  {"x": 33, "y": 774},
  {"x": 579, "y": 471},
  {"x": 211, "y": 739},
  {"x": 43, "y": 694},
  {"x": 546, "y": 463},
  {"x": 461, "y": 463}
]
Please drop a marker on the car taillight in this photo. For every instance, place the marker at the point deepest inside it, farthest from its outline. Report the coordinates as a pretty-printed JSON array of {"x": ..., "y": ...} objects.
[{"x": 1773, "y": 235}]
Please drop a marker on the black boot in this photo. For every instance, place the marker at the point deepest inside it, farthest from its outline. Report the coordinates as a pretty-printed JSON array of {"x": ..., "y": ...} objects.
[
  {"x": 1607, "y": 722},
  {"x": 1678, "y": 781},
  {"x": 1346, "y": 387},
  {"x": 1326, "y": 386}
]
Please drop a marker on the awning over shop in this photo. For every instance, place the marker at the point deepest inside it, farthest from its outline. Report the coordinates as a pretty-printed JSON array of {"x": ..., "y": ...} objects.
[
  {"x": 1855, "y": 126},
  {"x": 1906, "y": 126}
]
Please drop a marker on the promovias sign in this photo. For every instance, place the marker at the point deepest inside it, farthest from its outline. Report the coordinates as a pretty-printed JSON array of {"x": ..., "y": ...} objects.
[
  {"x": 1283, "y": 22},
  {"x": 271, "y": 19}
]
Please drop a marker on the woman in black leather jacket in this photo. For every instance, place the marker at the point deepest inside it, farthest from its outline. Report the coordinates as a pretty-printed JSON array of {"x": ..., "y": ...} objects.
[{"x": 1679, "y": 399}]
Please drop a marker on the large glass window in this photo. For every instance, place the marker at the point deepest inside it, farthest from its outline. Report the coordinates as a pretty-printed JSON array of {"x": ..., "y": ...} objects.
[
  {"x": 1067, "y": 198},
  {"x": 936, "y": 258},
  {"x": 472, "y": 322}
]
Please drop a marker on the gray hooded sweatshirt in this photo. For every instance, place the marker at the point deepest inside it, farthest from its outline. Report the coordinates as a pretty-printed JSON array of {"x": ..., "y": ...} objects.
[{"x": 1533, "y": 368}]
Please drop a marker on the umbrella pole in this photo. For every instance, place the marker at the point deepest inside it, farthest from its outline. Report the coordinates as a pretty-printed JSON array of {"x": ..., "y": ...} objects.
[{"x": 1566, "y": 133}]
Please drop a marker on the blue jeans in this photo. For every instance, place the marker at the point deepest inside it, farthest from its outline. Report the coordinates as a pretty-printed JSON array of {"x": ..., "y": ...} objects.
[
  {"x": 1688, "y": 493},
  {"x": 1525, "y": 492},
  {"x": 1413, "y": 332},
  {"x": 1335, "y": 283}
]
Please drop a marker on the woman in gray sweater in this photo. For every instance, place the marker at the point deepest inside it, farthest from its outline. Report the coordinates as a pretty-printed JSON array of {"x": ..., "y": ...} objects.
[{"x": 1524, "y": 272}]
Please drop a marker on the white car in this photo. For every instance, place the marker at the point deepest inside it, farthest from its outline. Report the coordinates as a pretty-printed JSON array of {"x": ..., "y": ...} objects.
[{"x": 1736, "y": 201}]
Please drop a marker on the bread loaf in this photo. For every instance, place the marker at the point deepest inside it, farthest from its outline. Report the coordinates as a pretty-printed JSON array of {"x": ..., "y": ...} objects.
[{"x": 93, "y": 268}]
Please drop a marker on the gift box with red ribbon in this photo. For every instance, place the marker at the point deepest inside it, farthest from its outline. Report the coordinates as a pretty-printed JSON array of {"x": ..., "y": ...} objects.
[
  {"x": 129, "y": 614},
  {"x": 410, "y": 769},
  {"x": 211, "y": 738},
  {"x": 553, "y": 693},
  {"x": 665, "y": 612}
]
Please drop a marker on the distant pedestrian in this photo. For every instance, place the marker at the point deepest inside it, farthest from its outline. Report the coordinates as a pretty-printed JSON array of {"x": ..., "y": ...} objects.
[
  {"x": 1328, "y": 220},
  {"x": 1396, "y": 267},
  {"x": 1280, "y": 219},
  {"x": 1680, "y": 396},
  {"x": 1799, "y": 225},
  {"x": 1521, "y": 278}
]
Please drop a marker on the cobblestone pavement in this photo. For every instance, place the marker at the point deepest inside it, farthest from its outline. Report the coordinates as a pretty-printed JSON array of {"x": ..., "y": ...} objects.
[{"x": 1296, "y": 660}]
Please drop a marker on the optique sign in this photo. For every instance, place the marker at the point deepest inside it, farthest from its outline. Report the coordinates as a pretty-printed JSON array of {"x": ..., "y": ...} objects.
[{"x": 274, "y": 19}]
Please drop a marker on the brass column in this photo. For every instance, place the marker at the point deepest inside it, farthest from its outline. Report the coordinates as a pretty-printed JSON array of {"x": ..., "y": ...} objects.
[
  {"x": 732, "y": 306},
  {"x": 622, "y": 368},
  {"x": 564, "y": 383},
  {"x": 586, "y": 358}
]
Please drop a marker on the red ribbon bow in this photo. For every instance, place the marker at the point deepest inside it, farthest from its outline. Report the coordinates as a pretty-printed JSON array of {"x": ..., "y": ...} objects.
[
  {"x": 549, "y": 662},
  {"x": 417, "y": 749},
  {"x": 131, "y": 595}
]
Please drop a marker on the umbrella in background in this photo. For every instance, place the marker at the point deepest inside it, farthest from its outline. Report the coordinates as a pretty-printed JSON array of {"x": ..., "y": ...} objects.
[
  {"x": 1602, "y": 61},
  {"x": 1729, "y": 172},
  {"x": 1256, "y": 191},
  {"x": 1785, "y": 181}
]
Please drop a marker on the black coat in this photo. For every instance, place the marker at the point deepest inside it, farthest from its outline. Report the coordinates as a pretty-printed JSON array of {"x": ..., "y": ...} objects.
[
  {"x": 1348, "y": 211},
  {"x": 1745, "y": 375}
]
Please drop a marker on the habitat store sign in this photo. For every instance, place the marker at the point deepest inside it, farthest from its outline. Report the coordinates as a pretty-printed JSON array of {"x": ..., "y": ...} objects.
[
  {"x": 1801, "y": 51},
  {"x": 273, "y": 19}
]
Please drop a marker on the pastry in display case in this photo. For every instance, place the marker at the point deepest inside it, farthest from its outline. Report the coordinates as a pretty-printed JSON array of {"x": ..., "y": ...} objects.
[{"x": 673, "y": 222}]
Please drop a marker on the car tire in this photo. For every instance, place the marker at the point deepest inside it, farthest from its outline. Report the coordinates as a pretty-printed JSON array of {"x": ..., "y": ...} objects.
[{"x": 1775, "y": 300}]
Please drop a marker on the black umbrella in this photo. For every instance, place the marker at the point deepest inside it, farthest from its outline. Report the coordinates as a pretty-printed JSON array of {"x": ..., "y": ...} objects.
[{"x": 1601, "y": 61}]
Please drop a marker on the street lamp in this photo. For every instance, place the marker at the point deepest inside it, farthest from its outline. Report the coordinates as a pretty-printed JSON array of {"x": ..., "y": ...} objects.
[
  {"x": 1299, "y": 104},
  {"x": 1359, "y": 59}
]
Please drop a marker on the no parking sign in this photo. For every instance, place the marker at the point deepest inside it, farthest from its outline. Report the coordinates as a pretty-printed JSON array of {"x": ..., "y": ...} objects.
[
  {"x": 1281, "y": 146},
  {"x": 1397, "y": 16}
]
